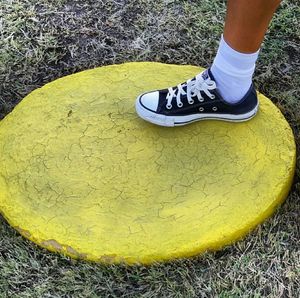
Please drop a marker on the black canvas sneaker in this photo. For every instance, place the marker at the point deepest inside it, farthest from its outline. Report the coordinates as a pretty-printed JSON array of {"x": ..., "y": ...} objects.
[{"x": 196, "y": 99}]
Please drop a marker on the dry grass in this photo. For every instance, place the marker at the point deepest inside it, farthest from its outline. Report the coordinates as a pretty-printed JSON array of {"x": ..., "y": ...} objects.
[{"x": 43, "y": 40}]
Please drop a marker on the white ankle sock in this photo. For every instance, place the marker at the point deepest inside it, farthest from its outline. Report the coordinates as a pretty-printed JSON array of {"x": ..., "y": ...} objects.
[{"x": 233, "y": 72}]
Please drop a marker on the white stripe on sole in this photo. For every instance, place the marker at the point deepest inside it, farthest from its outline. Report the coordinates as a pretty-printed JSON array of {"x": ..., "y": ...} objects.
[{"x": 171, "y": 121}]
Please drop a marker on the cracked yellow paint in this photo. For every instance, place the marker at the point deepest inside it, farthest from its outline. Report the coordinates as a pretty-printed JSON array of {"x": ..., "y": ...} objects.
[{"x": 82, "y": 174}]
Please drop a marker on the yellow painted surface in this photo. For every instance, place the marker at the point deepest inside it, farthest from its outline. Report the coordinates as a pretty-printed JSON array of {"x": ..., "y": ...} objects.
[{"x": 81, "y": 174}]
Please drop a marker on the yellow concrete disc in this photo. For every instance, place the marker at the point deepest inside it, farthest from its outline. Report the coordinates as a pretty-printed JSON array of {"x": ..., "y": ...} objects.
[{"x": 83, "y": 175}]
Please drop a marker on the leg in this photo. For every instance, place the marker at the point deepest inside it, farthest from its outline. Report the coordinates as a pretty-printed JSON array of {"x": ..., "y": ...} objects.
[
  {"x": 245, "y": 28},
  {"x": 247, "y": 22},
  {"x": 225, "y": 91}
]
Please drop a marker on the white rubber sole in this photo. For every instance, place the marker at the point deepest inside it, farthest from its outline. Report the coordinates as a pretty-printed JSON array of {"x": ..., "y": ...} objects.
[{"x": 171, "y": 121}]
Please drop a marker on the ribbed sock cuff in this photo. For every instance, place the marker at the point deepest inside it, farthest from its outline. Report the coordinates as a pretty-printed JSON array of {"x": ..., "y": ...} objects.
[{"x": 233, "y": 62}]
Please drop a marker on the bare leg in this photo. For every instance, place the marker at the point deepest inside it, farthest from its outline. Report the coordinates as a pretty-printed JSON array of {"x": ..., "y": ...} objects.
[
  {"x": 231, "y": 74},
  {"x": 247, "y": 22}
]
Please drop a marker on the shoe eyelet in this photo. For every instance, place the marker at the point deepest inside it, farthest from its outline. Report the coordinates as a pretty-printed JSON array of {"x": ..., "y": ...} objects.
[
  {"x": 191, "y": 102},
  {"x": 201, "y": 109},
  {"x": 180, "y": 105},
  {"x": 201, "y": 99},
  {"x": 214, "y": 109},
  {"x": 213, "y": 96},
  {"x": 169, "y": 107}
]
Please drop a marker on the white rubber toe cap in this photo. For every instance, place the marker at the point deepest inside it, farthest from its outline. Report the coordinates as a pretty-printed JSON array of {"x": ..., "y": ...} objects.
[{"x": 150, "y": 100}]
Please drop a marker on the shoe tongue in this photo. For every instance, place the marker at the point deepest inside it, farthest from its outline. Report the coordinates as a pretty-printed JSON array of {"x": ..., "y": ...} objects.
[
  {"x": 205, "y": 75},
  {"x": 185, "y": 87}
]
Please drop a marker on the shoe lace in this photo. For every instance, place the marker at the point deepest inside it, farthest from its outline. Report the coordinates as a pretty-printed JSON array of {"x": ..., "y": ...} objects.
[{"x": 193, "y": 89}]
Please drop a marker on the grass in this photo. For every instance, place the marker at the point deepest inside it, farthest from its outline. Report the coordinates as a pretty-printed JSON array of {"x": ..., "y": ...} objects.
[{"x": 44, "y": 40}]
